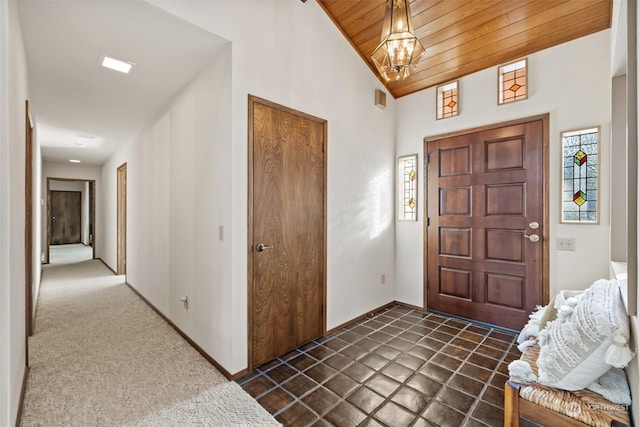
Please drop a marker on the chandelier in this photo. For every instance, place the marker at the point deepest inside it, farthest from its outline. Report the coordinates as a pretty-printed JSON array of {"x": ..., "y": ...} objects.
[{"x": 399, "y": 50}]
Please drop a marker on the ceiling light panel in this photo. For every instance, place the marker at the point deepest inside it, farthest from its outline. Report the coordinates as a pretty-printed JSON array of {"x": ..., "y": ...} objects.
[{"x": 117, "y": 65}]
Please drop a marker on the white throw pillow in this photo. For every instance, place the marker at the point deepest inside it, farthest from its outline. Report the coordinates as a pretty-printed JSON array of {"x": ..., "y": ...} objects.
[
  {"x": 589, "y": 335},
  {"x": 542, "y": 315}
]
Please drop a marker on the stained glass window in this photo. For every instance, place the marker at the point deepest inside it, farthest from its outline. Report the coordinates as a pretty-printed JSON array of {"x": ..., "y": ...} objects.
[
  {"x": 408, "y": 188},
  {"x": 447, "y": 104},
  {"x": 512, "y": 80},
  {"x": 580, "y": 159}
]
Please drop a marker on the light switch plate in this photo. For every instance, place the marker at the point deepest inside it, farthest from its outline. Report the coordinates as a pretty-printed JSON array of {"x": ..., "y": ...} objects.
[{"x": 566, "y": 244}]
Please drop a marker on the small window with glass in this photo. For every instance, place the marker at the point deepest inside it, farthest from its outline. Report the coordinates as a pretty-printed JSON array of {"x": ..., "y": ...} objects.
[
  {"x": 408, "y": 188},
  {"x": 512, "y": 82},
  {"x": 447, "y": 104}
]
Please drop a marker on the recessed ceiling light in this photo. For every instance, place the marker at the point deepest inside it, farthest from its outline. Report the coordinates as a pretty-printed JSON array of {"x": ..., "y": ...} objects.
[
  {"x": 74, "y": 161},
  {"x": 116, "y": 64}
]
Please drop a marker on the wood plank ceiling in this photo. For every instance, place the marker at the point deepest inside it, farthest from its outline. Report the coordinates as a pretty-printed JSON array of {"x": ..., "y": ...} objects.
[{"x": 465, "y": 36}]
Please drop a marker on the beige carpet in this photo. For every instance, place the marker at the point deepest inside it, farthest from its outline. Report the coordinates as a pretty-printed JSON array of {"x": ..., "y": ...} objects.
[{"x": 101, "y": 357}]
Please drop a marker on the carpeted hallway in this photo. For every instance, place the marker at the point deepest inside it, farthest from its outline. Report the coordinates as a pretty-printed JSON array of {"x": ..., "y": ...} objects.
[{"x": 100, "y": 356}]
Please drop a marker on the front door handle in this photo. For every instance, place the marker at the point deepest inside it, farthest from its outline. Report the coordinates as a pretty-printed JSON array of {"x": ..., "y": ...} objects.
[
  {"x": 261, "y": 247},
  {"x": 533, "y": 238}
]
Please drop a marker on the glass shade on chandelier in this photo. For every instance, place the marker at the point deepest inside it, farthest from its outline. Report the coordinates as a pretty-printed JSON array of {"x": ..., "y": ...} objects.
[{"x": 399, "y": 50}]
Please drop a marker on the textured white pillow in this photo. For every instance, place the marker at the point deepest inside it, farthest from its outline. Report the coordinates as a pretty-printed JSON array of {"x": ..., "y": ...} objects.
[
  {"x": 577, "y": 347},
  {"x": 543, "y": 315}
]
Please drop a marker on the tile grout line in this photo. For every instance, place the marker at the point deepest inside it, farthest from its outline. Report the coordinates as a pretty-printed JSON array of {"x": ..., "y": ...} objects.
[
  {"x": 386, "y": 322},
  {"x": 487, "y": 384}
]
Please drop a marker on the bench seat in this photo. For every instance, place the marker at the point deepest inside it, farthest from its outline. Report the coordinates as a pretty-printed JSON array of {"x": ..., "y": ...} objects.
[{"x": 553, "y": 407}]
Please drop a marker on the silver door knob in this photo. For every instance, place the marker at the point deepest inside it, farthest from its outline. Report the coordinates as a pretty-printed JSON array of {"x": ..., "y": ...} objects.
[
  {"x": 533, "y": 238},
  {"x": 261, "y": 247}
]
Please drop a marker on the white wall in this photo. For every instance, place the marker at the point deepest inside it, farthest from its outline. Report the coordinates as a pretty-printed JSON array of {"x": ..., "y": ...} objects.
[
  {"x": 633, "y": 370},
  {"x": 79, "y": 172},
  {"x": 106, "y": 231},
  {"x": 559, "y": 85},
  {"x": 303, "y": 63},
  {"x": 618, "y": 211},
  {"x": 6, "y": 396},
  {"x": 13, "y": 74},
  {"x": 37, "y": 212}
]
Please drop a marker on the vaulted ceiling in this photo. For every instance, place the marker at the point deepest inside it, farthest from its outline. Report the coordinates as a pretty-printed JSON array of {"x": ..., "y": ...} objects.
[{"x": 465, "y": 36}]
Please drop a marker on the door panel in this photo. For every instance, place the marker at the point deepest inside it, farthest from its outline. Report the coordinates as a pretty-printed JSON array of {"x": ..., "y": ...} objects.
[
  {"x": 485, "y": 187},
  {"x": 288, "y": 217},
  {"x": 66, "y": 217}
]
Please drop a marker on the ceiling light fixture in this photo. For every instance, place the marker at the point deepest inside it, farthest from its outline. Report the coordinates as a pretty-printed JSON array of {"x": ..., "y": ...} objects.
[
  {"x": 116, "y": 64},
  {"x": 74, "y": 161},
  {"x": 85, "y": 136},
  {"x": 399, "y": 50}
]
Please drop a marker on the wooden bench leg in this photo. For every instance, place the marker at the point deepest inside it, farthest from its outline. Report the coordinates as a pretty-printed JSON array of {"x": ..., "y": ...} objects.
[{"x": 511, "y": 404}]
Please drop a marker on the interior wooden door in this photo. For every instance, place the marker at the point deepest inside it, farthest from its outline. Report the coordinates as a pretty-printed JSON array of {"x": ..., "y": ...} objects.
[
  {"x": 286, "y": 229},
  {"x": 66, "y": 217},
  {"x": 486, "y": 223},
  {"x": 122, "y": 219}
]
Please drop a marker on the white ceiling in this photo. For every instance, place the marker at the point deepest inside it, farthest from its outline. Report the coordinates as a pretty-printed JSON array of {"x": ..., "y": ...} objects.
[{"x": 77, "y": 102}]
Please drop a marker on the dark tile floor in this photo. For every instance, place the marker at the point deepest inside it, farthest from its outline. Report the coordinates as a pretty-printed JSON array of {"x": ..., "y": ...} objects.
[{"x": 400, "y": 367}]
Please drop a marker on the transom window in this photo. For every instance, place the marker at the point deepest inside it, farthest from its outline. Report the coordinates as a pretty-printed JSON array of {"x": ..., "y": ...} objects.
[
  {"x": 447, "y": 104},
  {"x": 512, "y": 79}
]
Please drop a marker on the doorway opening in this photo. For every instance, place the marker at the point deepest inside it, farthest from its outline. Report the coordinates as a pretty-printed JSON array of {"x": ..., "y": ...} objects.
[
  {"x": 122, "y": 219},
  {"x": 70, "y": 220}
]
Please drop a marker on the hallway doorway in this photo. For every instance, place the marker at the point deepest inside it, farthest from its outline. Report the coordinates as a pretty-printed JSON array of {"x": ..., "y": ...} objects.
[
  {"x": 122, "y": 219},
  {"x": 59, "y": 225}
]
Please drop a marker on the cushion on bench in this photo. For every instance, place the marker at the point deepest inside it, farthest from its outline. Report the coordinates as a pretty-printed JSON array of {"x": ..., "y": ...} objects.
[
  {"x": 587, "y": 338},
  {"x": 585, "y": 406}
]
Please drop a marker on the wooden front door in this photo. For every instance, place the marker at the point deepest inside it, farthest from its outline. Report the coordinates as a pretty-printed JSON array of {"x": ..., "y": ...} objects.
[
  {"x": 66, "y": 217},
  {"x": 287, "y": 236},
  {"x": 486, "y": 222}
]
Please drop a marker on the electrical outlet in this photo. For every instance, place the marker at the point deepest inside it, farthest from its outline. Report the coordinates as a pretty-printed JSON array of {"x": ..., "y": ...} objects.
[
  {"x": 565, "y": 244},
  {"x": 383, "y": 279}
]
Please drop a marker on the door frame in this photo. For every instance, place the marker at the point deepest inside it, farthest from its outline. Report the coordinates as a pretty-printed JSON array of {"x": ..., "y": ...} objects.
[
  {"x": 28, "y": 230},
  {"x": 92, "y": 188},
  {"x": 545, "y": 195},
  {"x": 250, "y": 211},
  {"x": 121, "y": 240}
]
